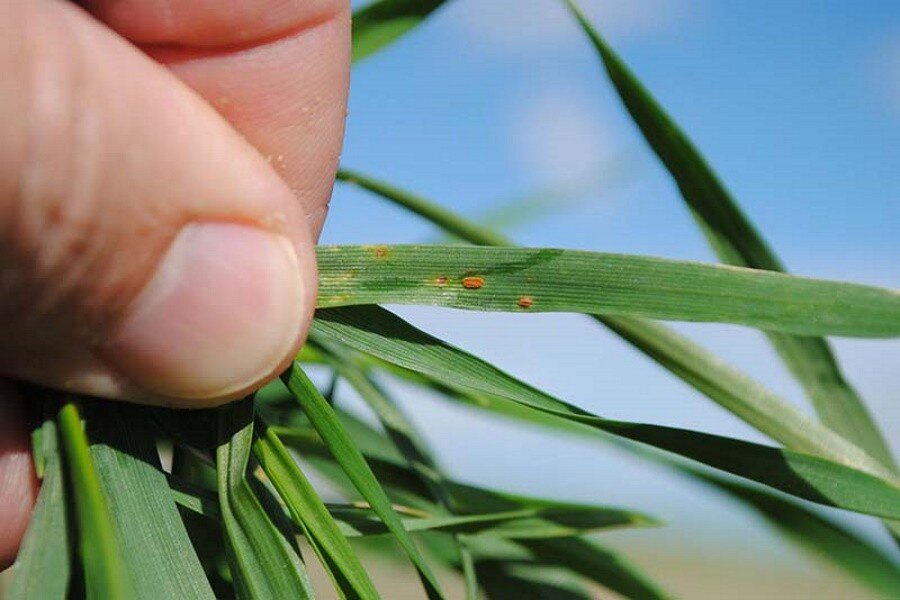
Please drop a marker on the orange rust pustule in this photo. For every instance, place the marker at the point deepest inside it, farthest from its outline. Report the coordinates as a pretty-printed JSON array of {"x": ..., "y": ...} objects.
[
  {"x": 472, "y": 282},
  {"x": 381, "y": 251},
  {"x": 525, "y": 302}
]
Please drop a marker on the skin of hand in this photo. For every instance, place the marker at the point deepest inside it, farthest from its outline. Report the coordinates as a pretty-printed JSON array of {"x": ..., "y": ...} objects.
[{"x": 165, "y": 171}]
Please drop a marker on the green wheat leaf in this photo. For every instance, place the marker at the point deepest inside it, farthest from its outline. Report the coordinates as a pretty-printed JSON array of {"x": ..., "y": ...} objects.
[
  {"x": 42, "y": 568},
  {"x": 344, "y": 450},
  {"x": 105, "y": 572},
  {"x": 309, "y": 513},
  {"x": 737, "y": 242},
  {"x": 383, "y": 22},
  {"x": 822, "y": 537},
  {"x": 731, "y": 389},
  {"x": 375, "y": 331},
  {"x": 155, "y": 545},
  {"x": 540, "y": 280},
  {"x": 263, "y": 563}
]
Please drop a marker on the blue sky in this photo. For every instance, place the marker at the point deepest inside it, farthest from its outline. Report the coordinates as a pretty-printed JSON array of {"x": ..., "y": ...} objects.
[{"x": 796, "y": 104}]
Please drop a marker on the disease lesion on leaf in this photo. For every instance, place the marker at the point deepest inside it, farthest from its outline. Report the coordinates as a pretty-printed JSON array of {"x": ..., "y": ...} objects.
[{"x": 473, "y": 282}]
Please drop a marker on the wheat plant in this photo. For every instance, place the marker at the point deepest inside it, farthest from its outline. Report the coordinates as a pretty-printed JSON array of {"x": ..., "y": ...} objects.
[{"x": 225, "y": 518}]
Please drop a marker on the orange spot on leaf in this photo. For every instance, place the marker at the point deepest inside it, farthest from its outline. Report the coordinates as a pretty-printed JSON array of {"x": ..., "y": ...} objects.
[
  {"x": 525, "y": 302},
  {"x": 472, "y": 282},
  {"x": 381, "y": 251}
]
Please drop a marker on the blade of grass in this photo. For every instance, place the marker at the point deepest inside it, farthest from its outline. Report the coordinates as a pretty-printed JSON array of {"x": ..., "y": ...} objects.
[
  {"x": 375, "y": 331},
  {"x": 819, "y": 536},
  {"x": 520, "y": 524},
  {"x": 383, "y": 22},
  {"x": 826, "y": 539},
  {"x": 263, "y": 563},
  {"x": 309, "y": 513},
  {"x": 596, "y": 563},
  {"x": 379, "y": 450},
  {"x": 541, "y": 280},
  {"x": 155, "y": 545},
  {"x": 728, "y": 387},
  {"x": 585, "y": 558},
  {"x": 406, "y": 439},
  {"x": 322, "y": 416},
  {"x": 444, "y": 218},
  {"x": 42, "y": 568},
  {"x": 737, "y": 242},
  {"x": 105, "y": 573},
  {"x": 484, "y": 511}
]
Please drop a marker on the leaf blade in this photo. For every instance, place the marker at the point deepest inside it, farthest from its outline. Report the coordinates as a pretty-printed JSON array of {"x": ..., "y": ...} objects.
[
  {"x": 263, "y": 563},
  {"x": 105, "y": 573},
  {"x": 540, "y": 279},
  {"x": 375, "y": 331},
  {"x": 383, "y": 22},
  {"x": 323, "y": 418},
  {"x": 310, "y": 513},
  {"x": 155, "y": 545},
  {"x": 736, "y": 241}
]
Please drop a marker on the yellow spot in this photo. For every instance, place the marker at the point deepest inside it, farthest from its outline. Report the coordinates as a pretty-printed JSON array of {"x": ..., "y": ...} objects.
[{"x": 441, "y": 281}]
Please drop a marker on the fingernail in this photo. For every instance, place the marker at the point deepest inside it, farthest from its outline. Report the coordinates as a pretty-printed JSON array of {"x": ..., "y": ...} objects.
[{"x": 221, "y": 313}]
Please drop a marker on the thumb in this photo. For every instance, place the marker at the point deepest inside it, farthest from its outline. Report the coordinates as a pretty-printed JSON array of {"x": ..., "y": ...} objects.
[{"x": 147, "y": 251}]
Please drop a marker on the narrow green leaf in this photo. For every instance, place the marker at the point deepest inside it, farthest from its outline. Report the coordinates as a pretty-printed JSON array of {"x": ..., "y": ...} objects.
[
  {"x": 155, "y": 545},
  {"x": 383, "y": 22},
  {"x": 406, "y": 439},
  {"x": 263, "y": 563},
  {"x": 444, "y": 218},
  {"x": 510, "y": 575},
  {"x": 504, "y": 580},
  {"x": 822, "y": 537},
  {"x": 540, "y": 280},
  {"x": 522, "y": 523},
  {"x": 322, "y": 416},
  {"x": 309, "y": 513},
  {"x": 585, "y": 558},
  {"x": 698, "y": 367},
  {"x": 387, "y": 461},
  {"x": 596, "y": 563},
  {"x": 42, "y": 568},
  {"x": 105, "y": 573},
  {"x": 375, "y": 331},
  {"x": 737, "y": 242}
]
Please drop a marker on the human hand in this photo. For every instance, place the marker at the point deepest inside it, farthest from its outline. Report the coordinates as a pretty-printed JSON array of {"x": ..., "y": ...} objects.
[{"x": 165, "y": 170}]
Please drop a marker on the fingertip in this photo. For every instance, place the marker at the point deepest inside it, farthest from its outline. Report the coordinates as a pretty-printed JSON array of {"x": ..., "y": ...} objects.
[{"x": 18, "y": 481}]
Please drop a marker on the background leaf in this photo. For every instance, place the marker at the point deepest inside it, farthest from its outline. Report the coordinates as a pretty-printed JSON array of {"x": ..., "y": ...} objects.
[
  {"x": 737, "y": 242},
  {"x": 345, "y": 452},
  {"x": 105, "y": 573},
  {"x": 383, "y": 22},
  {"x": 310, "y": 513},
  {"x": 155, "y": 545},
  {"x": 377, "y": 332},
  {"x": 42, "y": 568},
  {"x": 263, "y": 563}
]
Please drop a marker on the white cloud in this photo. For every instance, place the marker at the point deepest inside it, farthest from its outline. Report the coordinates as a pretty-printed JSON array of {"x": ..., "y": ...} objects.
[
  {"x": 560, "y": 135},
  {"x": 526, "y": 24}
]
